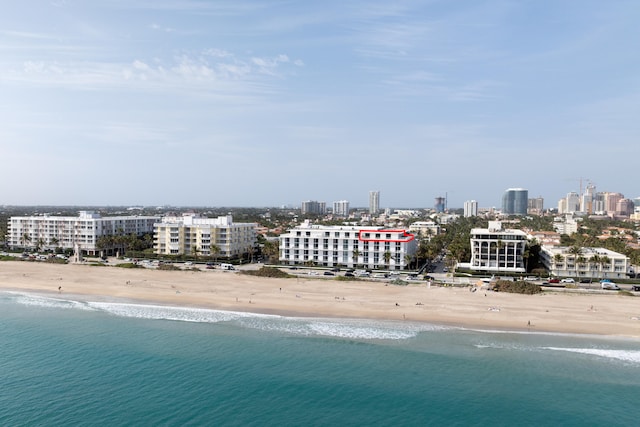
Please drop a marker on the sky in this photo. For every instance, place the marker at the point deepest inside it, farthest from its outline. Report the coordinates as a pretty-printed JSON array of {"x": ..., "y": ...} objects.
[{"x": 273, "y": 102}]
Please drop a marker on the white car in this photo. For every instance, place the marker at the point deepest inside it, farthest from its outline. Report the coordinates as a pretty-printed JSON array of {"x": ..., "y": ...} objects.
[
  {"x": 567, "y": 280},
  {"x": 610, "y": 286}
]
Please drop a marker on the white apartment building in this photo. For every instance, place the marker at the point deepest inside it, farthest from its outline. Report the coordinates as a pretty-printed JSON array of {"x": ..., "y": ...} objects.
[
  {"x": 470, "y": 208},
  {"x": 591, "y": 263},
  {"x": 496, "y": 250},
  {"x": 48, "y": 232},
  {"x": 341, "y": 208},
  {"x": 191, "y": 234},
  {"x": 347, "y": 246}
]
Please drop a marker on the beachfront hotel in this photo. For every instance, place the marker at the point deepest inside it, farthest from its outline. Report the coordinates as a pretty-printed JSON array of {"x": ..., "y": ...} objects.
[
  {"x": 81, "y": 233},
  {"x": 589, "y": 263},
  {"x": 497, "y": 250},
  {"x": 191, "y": 234},
  {"x": 347, "y": 246}
]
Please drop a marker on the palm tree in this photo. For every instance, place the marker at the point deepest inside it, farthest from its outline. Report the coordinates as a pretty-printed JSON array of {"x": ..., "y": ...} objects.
[
  {"x": 576, "y": 251},
  {"x": 557, "y": 259},
  {"x": 387, "y": 259},
  {"x": 605, "y": 261},
  {"x": 356, "y": 254},
  {"x": 408, "y": 259},
  {"x": 24, "y": 239},
  {"x": 594, "y": 260},
  {"x": 214, "y": 250}
]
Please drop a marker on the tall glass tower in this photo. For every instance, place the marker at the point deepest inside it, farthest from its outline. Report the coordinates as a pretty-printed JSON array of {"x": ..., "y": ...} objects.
[{"x": 515, "y": 201}]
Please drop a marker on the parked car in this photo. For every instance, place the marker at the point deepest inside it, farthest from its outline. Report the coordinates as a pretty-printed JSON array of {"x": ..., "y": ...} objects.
[
  {"x": 348, "y": 274},
  {"x": 554, "y": 280},
  {"x": 328, "y": 273},
  {"x": 610, "y": 286},
  {"x": 567, "y": 280},
  {"x": 531, "y": 278}
]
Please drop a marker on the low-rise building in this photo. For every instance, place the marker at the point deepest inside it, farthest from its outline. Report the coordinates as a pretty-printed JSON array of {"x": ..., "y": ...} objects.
[
  {"x": 191, "y": 234},
  {"x": 81, "y": 233},
  {"x": 347, "y": 246},
  {"x": 590, "y": 263}
]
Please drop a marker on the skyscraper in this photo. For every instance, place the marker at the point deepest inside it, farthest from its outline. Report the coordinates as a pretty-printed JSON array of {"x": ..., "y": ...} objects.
[
  {"x": 515, "y": 201},
  {"x": 470, "y": 208},
  {"x": 374, "y": 202}
]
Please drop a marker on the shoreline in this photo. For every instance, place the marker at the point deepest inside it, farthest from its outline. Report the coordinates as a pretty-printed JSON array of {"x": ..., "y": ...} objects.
[{"x": 551, "y": 312}]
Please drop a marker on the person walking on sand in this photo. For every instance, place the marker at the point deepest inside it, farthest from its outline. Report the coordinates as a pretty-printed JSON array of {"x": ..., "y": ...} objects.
[{"x": 59, "y": 289}]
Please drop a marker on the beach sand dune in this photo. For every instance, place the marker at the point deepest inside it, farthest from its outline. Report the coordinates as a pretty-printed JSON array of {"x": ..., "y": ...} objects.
[{"x": 602, "y": 313}]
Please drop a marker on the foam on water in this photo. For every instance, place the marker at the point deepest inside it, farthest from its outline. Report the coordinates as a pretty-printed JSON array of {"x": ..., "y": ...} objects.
[
  {"x": 49, "y": 302},
  {"x": 335, "y": 328},
  {"x": 624, "y": 355}
]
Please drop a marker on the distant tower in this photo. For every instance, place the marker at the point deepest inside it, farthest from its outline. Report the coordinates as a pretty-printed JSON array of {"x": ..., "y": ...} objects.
[
  {"x": 515, "y": 201},
  {"x": 470, "y": 208},
  {"x": 440, "y": 204},
  {"x": 573, "y": 202},
  {"x": 374, "y": 202},
  {"x": 341, "y": 208}
]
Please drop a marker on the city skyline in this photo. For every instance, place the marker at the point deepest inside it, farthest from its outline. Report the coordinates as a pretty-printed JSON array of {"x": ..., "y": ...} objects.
[{"x": 267, "y": 103}]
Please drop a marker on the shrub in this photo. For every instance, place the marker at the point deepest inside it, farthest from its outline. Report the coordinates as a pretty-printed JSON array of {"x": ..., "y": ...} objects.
[
  {"x": 519, "y": 287},
  {"x": 168, "y": 267},
  {"x": 267, "y": 272},
  {"x": 128, "y": 265}
]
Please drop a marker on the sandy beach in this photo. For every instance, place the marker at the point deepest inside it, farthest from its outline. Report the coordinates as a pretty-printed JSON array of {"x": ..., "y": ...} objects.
[{"x": 594, "y": 313}]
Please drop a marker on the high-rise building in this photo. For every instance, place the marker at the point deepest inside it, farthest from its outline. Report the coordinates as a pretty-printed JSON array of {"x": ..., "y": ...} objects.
[
  {"x": 470, "y": 208},
  {"x": 374, "y": 202},
  {"x": 611, "y": 201},
  {"x": 341, "y": 208},
  {"x": 535, "y": 205},
  {"x": 573, "y": 202},
  {"x": 515, "y": 201},
  {"x": 624, "y": 207},
  {"x": 440, "y": 204},
  {"x": 313, "y": 207}
]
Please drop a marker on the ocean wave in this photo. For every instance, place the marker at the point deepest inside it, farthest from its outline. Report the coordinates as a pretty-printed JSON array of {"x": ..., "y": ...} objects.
[
  {"x": 343, "y": 328},
  {"x": 356, "y": 329},
  {"x": 183, "y": 314},
  {"x": 35, "y": 300},
  {"x": 624, "y": 355}
]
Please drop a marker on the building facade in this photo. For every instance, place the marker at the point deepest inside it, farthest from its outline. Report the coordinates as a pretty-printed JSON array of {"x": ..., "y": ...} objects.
[
  {"x": 347, "y": 246},
  {"x": 193, "y": 235},
  {"x": 590, "y": 263},
  {"x": 496, "y": 250},
  {"x": 515, "y": 201},
  {"x": 81, "y": 233}
]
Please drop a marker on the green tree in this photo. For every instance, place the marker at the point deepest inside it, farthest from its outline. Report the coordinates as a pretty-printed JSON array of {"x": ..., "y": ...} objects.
[{"x": 387, "y": 259}]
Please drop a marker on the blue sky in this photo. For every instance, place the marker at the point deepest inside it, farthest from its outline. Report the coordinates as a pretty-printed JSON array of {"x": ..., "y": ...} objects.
[{"x": 266, "y": 103}]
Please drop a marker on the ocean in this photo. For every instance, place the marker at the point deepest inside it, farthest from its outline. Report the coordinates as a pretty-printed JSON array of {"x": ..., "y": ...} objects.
[{"x": 83, "y": 363}]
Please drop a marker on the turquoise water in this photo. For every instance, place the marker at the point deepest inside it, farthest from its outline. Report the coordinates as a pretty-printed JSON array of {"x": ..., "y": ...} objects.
[{"x": 68, "y": 363}]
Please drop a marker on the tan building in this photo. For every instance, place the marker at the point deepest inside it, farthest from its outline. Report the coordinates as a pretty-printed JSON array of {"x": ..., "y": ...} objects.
[{"x": 191, "y": 234}]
